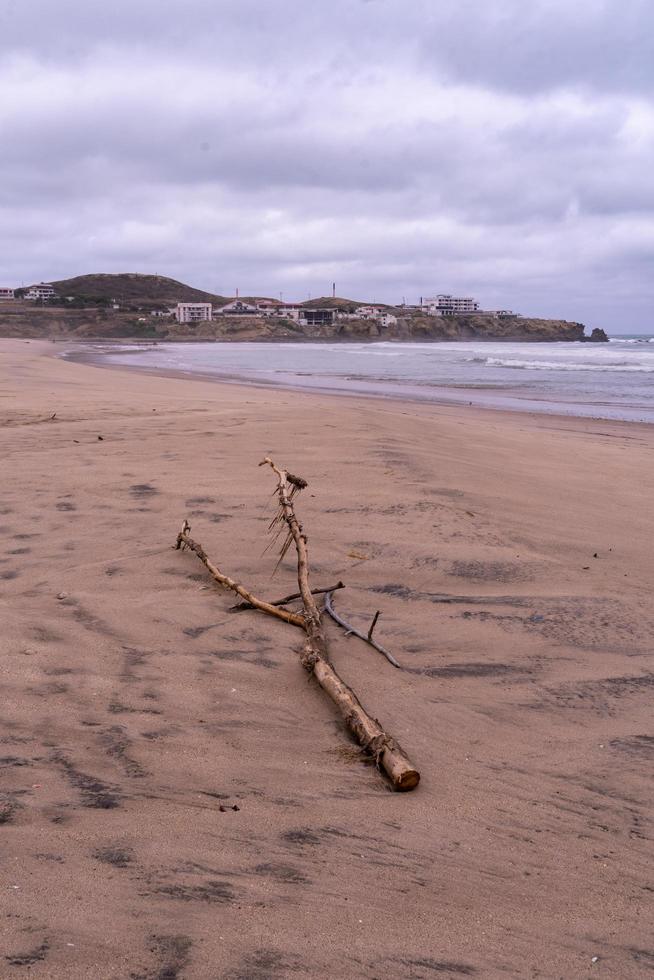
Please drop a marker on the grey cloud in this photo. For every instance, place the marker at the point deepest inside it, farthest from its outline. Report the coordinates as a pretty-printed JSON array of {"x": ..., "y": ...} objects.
[
  {"x": 544, "y": 44},
  {"x": 491, "y": 146}
]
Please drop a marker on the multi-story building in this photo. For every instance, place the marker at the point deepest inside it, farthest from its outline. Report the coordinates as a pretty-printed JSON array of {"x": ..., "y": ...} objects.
[
  {"x": 306, "y": 317},
  {"x": 43, "y": 291},
  {"x": 6, "y": 292},
  {"x": 193, "y": 312},
  {"x": 317, "y": 317},
  {"x": 446, "y": 305}
]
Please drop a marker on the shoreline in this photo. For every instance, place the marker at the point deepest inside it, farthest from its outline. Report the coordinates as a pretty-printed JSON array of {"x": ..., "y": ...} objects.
[
  {"x": 479, "y": 396},
  {"x": 170, "y": 772}
]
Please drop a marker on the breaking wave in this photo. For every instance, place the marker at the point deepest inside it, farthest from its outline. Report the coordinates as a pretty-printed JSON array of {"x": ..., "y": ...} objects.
[
  {"x": 610, "y": 366},
  {"x": 631, "y": 340}
]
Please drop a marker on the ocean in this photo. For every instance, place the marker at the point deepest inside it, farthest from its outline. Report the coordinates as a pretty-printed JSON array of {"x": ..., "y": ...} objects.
[{"x": 610, "y": 381}]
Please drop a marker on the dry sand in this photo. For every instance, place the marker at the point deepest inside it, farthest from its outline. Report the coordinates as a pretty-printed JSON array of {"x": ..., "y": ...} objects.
[{"x": 136, "y": 705}]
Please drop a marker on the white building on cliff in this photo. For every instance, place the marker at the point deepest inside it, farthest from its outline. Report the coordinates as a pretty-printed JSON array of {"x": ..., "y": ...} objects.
[
  {"x": 446, "y": 305},
  {"x": 193, "y": 312}
]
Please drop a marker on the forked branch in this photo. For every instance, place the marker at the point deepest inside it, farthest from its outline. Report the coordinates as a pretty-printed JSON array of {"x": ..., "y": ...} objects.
[
  {"x": 387, "y": 753},
  {"x": 367, "y": 638}
]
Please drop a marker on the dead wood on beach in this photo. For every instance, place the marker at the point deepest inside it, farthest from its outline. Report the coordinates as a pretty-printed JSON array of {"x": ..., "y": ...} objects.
[
  {"x": 367, "y": 731},
  {"x": 241, "y": 606},
  {"x": 184, "y": 538}
]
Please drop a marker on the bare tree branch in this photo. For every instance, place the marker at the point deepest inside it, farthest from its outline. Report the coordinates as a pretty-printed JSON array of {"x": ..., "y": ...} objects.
[
  {"x": 183, "y": 538},
  {"x": 240, "y": 606},
  {"x": 329, "y": 609}
]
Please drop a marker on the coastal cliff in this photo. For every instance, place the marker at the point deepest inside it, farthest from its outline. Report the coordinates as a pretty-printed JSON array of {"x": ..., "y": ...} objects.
[
  {"x": 90, "y": 324},
  {"x": 468, "y": 327},
  {"x": 139, "y": 306}
]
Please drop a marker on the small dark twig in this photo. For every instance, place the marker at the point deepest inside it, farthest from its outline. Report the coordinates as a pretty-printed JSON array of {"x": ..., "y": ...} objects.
[
  {"x": 373, "y": 624},
  {"x": 329, "y": 609},
  {"x": 240, "y": 606}
]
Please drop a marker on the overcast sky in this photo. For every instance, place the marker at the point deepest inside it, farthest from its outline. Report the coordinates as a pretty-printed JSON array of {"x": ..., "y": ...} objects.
[{"x": 498, "y": 148}]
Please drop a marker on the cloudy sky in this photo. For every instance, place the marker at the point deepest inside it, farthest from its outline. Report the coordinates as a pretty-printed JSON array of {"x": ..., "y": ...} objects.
[{"x": 500, "y": 148}]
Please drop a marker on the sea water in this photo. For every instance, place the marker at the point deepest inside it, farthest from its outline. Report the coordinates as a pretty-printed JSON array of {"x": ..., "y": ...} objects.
[{"x": 612, "y": 381}]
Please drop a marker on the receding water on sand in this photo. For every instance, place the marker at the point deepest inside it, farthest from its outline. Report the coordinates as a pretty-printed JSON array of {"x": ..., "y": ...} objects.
[{"x": 612, "y": 381}]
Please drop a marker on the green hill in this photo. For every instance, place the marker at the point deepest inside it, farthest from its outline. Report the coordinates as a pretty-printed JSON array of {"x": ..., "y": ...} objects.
[
  {"x": 133, "y": 289},
  {"x": 335, "y": 303}
]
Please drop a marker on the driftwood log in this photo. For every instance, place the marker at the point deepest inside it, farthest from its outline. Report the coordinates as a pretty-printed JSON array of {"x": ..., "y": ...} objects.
[{"x": 368, "y": 732}]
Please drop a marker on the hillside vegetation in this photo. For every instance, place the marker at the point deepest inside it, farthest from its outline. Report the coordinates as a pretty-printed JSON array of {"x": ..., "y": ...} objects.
[
  {"x": 338, "y": 303},
  {"x": 133, "y": 289}
]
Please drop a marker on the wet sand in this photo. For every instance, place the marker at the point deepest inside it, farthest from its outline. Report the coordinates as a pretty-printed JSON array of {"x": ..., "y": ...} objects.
[{"x": 180, "y": 801}]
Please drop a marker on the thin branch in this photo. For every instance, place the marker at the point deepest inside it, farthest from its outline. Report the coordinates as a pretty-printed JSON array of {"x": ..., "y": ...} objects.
[
  {"x": 329, "y": 609},
  {"x": 183, "y": 538},
  {"x": 240, "y": 606},
  {"x": 373, "y": 624},
  {"x": 287, "y": 486}
]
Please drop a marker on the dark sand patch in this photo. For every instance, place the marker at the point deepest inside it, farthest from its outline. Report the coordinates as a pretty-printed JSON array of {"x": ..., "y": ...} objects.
[
  {"x": 95, "y": 794},
  {"x": 115, "y": 855},
  {"x": 35, "y": 955},
  {"x": 142, "y": 491}
]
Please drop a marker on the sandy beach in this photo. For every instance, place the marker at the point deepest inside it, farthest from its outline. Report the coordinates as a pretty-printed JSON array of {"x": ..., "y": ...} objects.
[{"x": 179, "y": 801}]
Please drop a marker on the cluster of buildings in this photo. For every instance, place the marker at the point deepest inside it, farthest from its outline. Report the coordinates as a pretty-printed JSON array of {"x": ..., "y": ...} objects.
[
  {"x": 302, "y": 315},
  {"x": 444, "y": 304}
]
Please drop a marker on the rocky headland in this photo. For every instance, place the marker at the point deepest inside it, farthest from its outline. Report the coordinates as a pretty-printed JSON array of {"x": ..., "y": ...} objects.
[
  {"x": 100, "y": 324},
  {"x": 139, "y": 307}
]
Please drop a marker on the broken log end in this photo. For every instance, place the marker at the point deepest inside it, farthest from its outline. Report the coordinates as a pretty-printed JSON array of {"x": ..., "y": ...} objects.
[{"x": 407, "y": 780}]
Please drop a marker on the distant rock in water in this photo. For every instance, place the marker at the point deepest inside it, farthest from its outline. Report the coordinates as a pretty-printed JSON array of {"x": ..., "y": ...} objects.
[{"x": 598, "y": 336}]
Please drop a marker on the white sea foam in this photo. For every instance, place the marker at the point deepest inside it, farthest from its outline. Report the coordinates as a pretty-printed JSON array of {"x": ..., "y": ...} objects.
[{"x": 569, "y": 365}]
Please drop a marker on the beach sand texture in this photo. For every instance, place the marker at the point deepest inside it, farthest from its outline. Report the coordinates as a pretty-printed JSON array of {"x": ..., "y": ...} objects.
[{"x": 135, "y": 705}]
